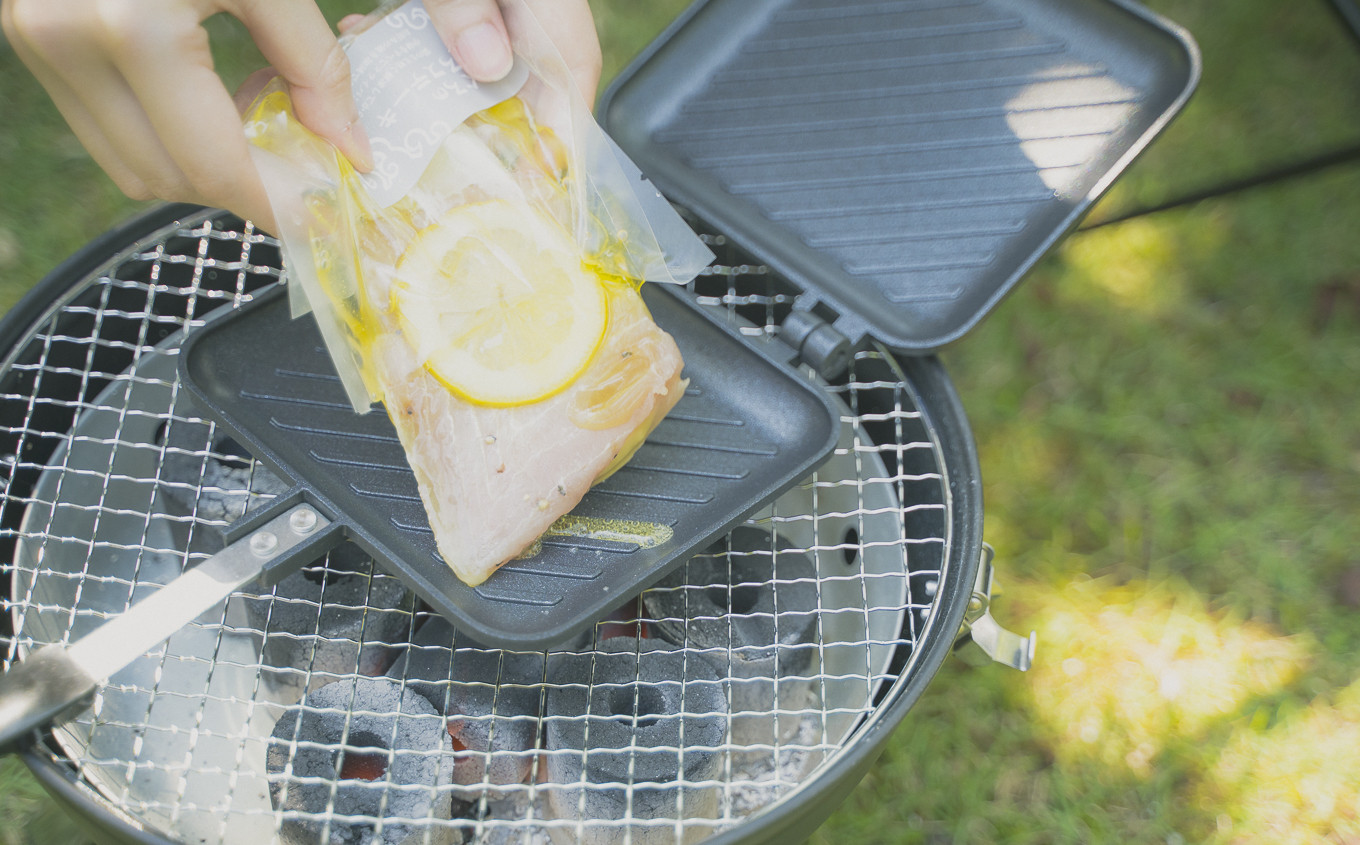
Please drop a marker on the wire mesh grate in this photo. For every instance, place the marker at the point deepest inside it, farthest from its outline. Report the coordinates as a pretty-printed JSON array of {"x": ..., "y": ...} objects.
[{"x": 335, "y": 707}]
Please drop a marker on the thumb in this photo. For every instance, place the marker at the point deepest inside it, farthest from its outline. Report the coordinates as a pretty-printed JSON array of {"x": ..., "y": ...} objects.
[{"x": 297, "y": 41}]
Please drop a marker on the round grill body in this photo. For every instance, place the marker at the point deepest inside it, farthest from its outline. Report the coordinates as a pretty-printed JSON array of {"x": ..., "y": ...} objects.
[{"x": 801, "y": 640}]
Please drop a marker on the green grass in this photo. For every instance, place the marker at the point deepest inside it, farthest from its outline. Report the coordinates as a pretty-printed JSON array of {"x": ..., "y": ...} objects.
[{"x": 1169, "y": 430}]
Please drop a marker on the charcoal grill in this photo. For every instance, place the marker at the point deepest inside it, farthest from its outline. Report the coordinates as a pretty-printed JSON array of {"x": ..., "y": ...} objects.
[
  {"x": 738, "y": 698},
  {"x": 178, "y": 744}
]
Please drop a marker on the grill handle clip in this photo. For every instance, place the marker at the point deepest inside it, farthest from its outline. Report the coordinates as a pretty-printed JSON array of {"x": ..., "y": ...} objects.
[{"x": 1000, "y": 644}]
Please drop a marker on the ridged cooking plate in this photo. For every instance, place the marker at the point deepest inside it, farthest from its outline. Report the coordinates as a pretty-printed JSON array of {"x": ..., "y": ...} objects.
[
  {"x": 904, "y": 164},
  {"x": 746, "y": 428}
]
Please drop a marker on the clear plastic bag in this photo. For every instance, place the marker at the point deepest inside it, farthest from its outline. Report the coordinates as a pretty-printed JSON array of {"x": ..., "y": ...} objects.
[
  {"x": 531, "y": 144},
  {"x": 483, "y": 280}
]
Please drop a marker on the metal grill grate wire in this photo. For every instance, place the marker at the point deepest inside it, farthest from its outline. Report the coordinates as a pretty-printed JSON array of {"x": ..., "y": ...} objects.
[{"x": 112, "y": 485}]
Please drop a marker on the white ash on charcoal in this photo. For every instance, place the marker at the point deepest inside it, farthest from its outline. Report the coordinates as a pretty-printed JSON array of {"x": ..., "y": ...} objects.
[
  {"x": 483, "y": 822},
  {"x": 362, "y": 747},
  {"x": 758, "y": 779},
  {"x": 213, "y": 478},
  {"x": 527, "y": 835},
  {"x": 489, "y": 697},
  {"x": 749, "y": 605},
  {"x": 635, "y": 734}
]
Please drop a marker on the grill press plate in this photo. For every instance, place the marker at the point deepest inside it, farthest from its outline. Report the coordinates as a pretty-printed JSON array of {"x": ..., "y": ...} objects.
[
  {"x": 905, "y": 162},
  {"x": 746, "y": 430}
]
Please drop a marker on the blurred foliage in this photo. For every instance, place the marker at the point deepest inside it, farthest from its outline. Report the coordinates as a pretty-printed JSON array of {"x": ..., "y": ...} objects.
[
  {"x": 1169, "y": 435},
  {"x": 1169, "y": 431}
]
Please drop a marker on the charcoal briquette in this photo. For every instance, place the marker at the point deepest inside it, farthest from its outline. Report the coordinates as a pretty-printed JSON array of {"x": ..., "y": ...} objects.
[
  {"x": 361, "y": 747},
  {"x": 334, "y": 618},
  {"x": 634, "y": 729},
  {"x": 490, "y": 698},
  {"x": 749, "y": 604},
  {"x": 213, "y": 478}
]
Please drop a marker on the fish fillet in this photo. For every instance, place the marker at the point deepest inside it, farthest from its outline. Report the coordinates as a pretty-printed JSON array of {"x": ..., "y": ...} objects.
[
  {"x": 493, "y": 475},
  {"x": 494, "y": 479}
]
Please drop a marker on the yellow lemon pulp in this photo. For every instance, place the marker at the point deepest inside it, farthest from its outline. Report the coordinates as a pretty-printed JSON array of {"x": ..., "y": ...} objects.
[{"x": 496, "y": 301}]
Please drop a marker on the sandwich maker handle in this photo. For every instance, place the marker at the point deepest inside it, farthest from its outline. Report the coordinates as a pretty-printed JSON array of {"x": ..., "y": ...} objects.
[{"x": 56, "y": 680}]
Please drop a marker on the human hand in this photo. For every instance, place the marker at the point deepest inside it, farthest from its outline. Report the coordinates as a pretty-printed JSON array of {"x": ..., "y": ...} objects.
[
  {"x": 135, "y": 81},
  {"x": 478, "y": 37},
  {"x": 476, "y": 33}
]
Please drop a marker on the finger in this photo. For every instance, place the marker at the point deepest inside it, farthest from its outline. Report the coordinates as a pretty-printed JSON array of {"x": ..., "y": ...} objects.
[
  {"x": 252, "y": 86},
  {"x": 475, "y": 34},
  {"x": 96, "y": 142},
  {"x": 94, "y": 99},
  {"x": 295, "y": 38},
  {"x": 349, "y": 22},
  {"x": 26, "y": 32},
  {"x": 144, "y": 139},
  {"x": 571, "y": 27},
  {"x": 168, "y": 68}
]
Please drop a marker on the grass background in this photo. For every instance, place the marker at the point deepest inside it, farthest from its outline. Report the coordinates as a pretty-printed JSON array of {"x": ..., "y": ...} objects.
[{"x": 1169, "y": 426}]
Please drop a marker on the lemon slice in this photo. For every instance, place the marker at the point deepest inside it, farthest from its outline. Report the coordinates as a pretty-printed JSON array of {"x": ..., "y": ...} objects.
[{"x": 496, "y": 302}]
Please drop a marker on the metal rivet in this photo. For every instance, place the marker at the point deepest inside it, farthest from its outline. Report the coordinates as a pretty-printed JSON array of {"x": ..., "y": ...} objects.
[
  {"x": 263, "y": 542},
  {"x": 975, "y": 604},
  {"x": 302, "y": 521}
]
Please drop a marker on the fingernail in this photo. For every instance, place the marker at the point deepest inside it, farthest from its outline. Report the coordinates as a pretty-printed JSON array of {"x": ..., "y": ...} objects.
[
  {"x": 483, "y": 52},
  {"x": 348, "y": 22},
  {"x": 361, "y": 151}
]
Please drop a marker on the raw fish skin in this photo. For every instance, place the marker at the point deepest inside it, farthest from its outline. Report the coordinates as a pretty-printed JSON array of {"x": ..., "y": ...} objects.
[{"x": 494, "y": 479}]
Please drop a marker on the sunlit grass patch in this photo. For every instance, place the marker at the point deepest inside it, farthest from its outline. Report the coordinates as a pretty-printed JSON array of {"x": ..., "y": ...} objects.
[
  {"x": 1136, "y": 669},
  {"x": 1291, "y": 773},
  {"x": 1138, "y": 265}
]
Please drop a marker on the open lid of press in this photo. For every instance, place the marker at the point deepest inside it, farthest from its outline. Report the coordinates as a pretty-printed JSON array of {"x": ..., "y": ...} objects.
[{"x": 904, "y": 164}]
